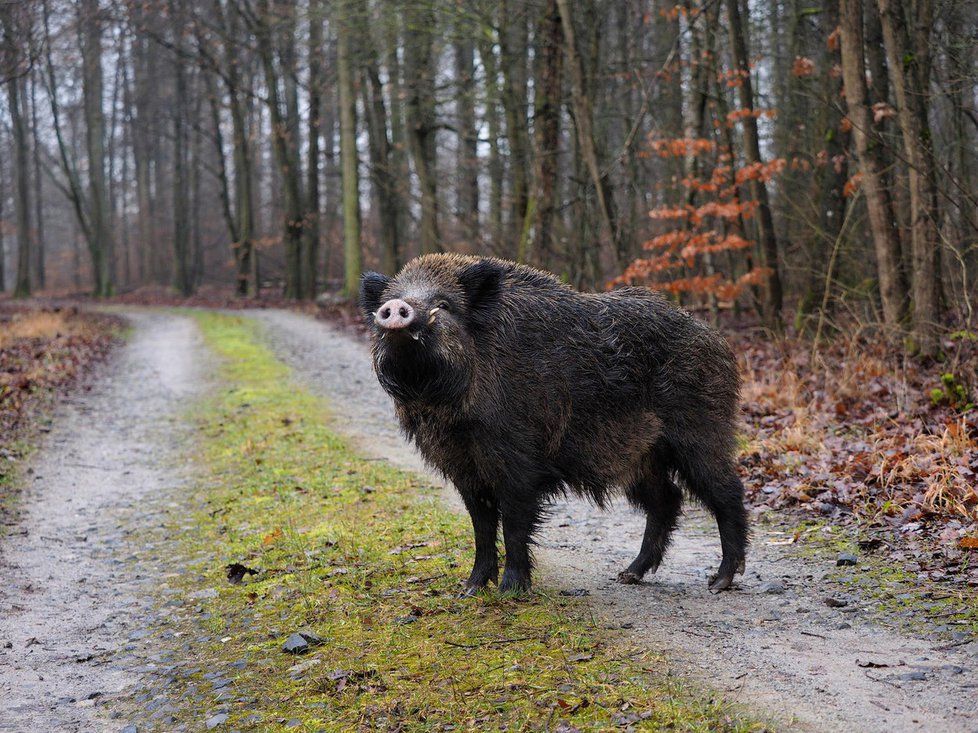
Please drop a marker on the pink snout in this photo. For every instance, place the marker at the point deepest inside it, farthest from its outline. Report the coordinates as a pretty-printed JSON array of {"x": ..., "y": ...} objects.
[{"x": 395, "y": 314}]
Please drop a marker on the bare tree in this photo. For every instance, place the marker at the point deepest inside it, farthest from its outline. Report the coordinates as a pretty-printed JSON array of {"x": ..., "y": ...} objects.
[{"x": 16, "y": 67}]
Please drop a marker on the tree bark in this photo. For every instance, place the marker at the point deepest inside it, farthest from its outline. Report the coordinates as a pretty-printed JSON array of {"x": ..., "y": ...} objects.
[
  {"x": 182, "y": 271},
  {"x": 283, "y": 115},
  {"x": 546, "y": 130},
  {"x": 15, "y": 70},
  {"x": 39, "y": 265},
  {"x": 101, "y": 241},
  {"x": 383, "y": 183},
  {"x": 512, "y": 60},
  {"x": 311, "y": 231},
  {"x": 908, "y": 63},
  {"x": 352, "y": 259},
  {"x": 420, "y": 112},
  {"x": 752, "y": 153},
  {"x": 584, "y": 123},
  {"x": 467, "y": 196},
  {"x": 879, "y": 206}
]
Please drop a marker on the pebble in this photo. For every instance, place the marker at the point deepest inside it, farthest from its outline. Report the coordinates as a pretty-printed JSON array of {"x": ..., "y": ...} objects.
[
  {"x": 216, "y": 720},
  {"x": 771, "y": 587},
  {"x": 846, "y": 559},
  {"x": 301, "y": 641}
]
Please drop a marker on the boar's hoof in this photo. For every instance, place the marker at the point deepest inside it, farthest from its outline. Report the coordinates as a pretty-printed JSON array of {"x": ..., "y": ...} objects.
[
  {"x": 720, "y": 582},
  {"x": 514, "y": 585},
  {"x": 471, "y": 589},
  {"x": 627, "y": 577}
]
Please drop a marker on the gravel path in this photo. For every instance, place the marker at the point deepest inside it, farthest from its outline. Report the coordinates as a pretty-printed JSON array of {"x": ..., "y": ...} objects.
[
  {"x": 773, "y": 643},
  {"x": 72, "y": 606}
]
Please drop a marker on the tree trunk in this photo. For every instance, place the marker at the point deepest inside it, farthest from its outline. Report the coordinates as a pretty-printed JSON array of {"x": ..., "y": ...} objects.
[
  {"x": 15, "y": 68},
  {"x": 420, "y": 112},
  {"x": 352, "y": 261},
  {"x": 882, "y": 223},
  {"x": 494, "y": 165},
  {"x": 909, "y": 69},
  {"x": 182, "y": 271},
  {"x": 752, "y": 153},
  {"x": 546, "y": 131},
  {"x": 40, "y": 270},
  {"x": 311, "y": 231},
  {"x": 101, "y": 241},
  {"x": 22, "y": 190},
  {"x": 283, "y": 116},
  {"x": 512, "y": 60},
  {"x": 468, "y": 139},
  {"x": 587, "y": 145},
  {"x": 382, "y": 181}
]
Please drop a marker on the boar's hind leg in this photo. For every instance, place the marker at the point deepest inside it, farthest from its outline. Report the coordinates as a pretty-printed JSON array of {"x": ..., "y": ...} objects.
[
  {"x": 720, "y": 489},
  {"x": 661, "y": 500},
  {"x": 484, "y": 512}
]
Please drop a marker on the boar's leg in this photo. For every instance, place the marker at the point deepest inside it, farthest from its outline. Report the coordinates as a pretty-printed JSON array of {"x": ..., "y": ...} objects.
[
  {"x": 519, "y": 521},
  {"x": 661, "y": 500},
  {"x": 717, "y": 485},
  {"x": 484, "y": 512}
]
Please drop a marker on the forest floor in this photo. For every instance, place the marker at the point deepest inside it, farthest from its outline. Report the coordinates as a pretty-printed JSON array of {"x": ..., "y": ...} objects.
[{"x": 120, "y": 605}]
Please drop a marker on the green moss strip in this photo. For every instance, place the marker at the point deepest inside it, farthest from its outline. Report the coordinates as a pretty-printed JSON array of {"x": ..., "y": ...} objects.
[{"x": 355, "y": 551}]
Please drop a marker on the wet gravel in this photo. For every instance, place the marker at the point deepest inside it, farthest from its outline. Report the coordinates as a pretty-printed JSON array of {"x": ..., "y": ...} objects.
[
  {"x": 76, "y": 601},
  {"x": 774, "y": 643}
]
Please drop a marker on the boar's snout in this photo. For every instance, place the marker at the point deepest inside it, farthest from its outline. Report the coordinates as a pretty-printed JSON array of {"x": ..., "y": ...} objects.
[{"x": 395, "y": 314}]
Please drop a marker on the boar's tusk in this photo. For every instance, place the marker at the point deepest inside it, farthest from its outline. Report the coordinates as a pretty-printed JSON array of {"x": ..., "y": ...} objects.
[{"x": 433, "y": 311}]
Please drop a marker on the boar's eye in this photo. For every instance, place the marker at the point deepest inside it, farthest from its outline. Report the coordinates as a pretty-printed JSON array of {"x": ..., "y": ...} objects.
[{"x": 443, "y": 305}]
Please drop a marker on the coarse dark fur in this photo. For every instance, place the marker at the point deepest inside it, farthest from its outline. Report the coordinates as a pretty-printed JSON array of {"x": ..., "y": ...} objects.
[{"x": 519, "y": 388}]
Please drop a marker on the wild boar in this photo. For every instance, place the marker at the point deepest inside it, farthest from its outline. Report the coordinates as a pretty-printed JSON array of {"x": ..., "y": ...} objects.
[{"x": 519, "y": 388}]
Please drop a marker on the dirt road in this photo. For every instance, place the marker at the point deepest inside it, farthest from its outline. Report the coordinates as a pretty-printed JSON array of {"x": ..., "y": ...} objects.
[
  {"x": 72, "y": 608},
  {"x": 773, "y": 643}
]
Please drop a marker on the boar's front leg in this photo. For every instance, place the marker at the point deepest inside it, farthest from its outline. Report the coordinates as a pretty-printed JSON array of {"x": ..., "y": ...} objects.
[
  {"x": 484, "y": 512},
  {"x": 519, "y": 521}
]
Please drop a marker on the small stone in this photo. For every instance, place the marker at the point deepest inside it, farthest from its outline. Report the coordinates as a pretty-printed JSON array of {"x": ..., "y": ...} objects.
[
  {"x": 405, "y": 620},
  {"x": 835, "y": 602},
  {"x": 772, "y": 587},
  {"x": 131, "y": 728},
  {"x": 846, "y": 559},
  {"x": 916, "y": 676},
  {"x": 301, "y": 641},
  {"x": 295, "y": 644},
  {"x": 216, "y": 720}
]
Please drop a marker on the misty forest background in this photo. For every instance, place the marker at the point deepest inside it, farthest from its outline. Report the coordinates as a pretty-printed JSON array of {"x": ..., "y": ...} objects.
[{"x": 810, "y": 162}]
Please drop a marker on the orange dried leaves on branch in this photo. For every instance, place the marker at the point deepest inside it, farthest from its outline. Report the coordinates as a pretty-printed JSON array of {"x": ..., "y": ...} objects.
[{"x": 684, "y": 256}]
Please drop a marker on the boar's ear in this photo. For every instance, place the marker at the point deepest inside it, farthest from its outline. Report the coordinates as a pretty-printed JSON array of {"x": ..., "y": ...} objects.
[
  {"x": 372, "y": 285},
  {"x": 481, "y": 282}
]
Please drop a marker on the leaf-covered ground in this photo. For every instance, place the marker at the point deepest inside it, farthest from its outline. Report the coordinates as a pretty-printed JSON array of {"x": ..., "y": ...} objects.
[
  {"x": 854, "y": 436},
  {"x": 296, "y": 534},
  {"x": 42, "y": 351}
]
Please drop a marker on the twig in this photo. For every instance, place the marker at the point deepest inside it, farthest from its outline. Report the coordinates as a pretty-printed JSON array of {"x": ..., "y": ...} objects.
[
  {"x": 490, "y": 642},
  {"x": 817, "y": 636}
]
